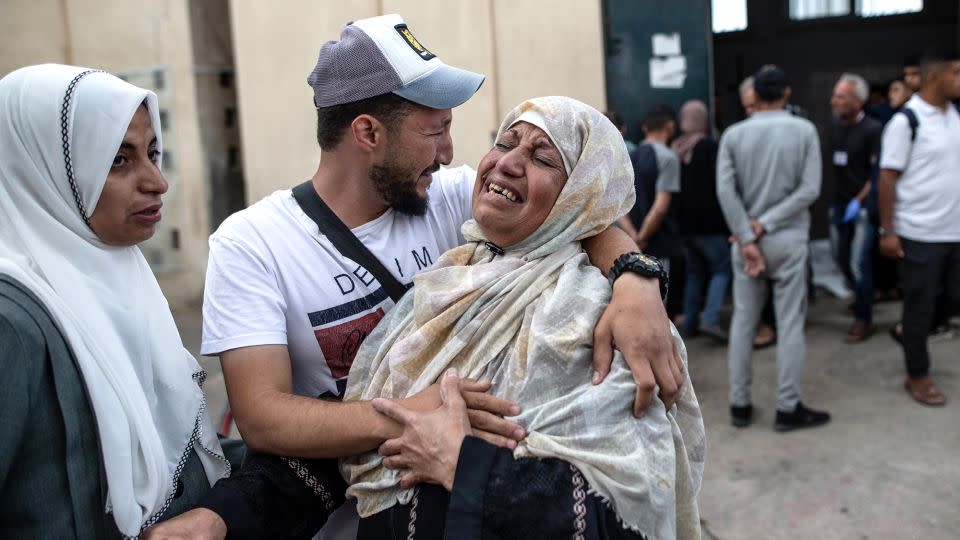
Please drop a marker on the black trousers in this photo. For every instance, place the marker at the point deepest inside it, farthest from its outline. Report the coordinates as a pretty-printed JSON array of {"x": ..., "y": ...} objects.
[{"x": 926, "y": 268}]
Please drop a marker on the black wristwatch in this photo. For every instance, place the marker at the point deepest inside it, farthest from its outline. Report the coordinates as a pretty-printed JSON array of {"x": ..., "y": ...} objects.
[{"x": 645, "y": 265}]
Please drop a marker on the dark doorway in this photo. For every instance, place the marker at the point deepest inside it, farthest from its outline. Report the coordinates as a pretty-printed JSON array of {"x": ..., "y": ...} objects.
[{"x": 815, "y": 52}]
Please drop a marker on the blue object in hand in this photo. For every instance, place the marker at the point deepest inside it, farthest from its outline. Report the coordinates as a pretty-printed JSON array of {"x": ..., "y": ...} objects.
[{"x": 852, "y": 211}]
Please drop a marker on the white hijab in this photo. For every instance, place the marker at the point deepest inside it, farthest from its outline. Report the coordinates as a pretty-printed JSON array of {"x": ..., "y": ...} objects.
[{"x": 143, "y": 385}]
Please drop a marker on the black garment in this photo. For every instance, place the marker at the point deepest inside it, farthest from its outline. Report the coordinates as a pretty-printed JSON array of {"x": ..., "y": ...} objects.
[
  {"x": 698, "y": 211},
  {"x": 276, "y": 497},
  {"x": 926, "y": 267},
  {"x": 851, "y": 150},
  {"x": 646, "y": 171},
  {"x": 882, "y": 112},
  {"x": 497, "y": 497}
]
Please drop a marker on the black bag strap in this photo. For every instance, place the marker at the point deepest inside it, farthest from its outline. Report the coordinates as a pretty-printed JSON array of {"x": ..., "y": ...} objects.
[
  {"x": 343, "y": 238},
  {"x": 913, "y": 121}
]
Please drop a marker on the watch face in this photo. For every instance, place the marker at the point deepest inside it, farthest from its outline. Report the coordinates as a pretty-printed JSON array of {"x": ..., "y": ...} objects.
[{"x": 645, "y": 259}]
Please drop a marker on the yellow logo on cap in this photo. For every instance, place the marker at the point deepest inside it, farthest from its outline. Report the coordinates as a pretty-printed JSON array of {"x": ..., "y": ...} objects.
[{"x": 413, "y": 42}]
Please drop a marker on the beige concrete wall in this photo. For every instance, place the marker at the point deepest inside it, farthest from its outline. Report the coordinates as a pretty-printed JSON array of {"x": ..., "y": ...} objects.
[
  {"x": 131, "y": 37},
  {"x": 32, "y": 32},
  {"x": 275, "y": 48},
  {"x": 525, "y": 49},
  {"x": 549, "y": 47}
]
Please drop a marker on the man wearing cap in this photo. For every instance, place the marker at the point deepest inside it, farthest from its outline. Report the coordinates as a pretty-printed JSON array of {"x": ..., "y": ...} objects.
[
  {"x": 768, "y": 175},
  {"x": 286, "y": 312}
]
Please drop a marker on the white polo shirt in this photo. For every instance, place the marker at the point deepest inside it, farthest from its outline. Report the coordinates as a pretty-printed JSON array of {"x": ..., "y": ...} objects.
[{"x": 927, "y": 208}]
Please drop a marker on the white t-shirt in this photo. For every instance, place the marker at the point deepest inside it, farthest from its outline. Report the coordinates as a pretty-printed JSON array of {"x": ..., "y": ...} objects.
[
  {"x": 272, "y": 279},
  {"x": 927, "y": 208}
]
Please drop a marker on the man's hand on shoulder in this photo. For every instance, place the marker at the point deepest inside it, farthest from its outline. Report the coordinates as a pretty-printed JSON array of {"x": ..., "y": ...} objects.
[
  {"x": 198, "y": 524},
  {"x": 636, "y": 324}
]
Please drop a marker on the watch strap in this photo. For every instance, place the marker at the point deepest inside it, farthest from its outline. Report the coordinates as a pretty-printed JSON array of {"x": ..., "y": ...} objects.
[{"x": 642, "y": 264}]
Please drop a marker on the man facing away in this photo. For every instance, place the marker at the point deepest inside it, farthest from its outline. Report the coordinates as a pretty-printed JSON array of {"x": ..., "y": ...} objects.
[
  {"x": 854, "y": 146},
  {"x": 919, "y": 199},
  {"x": 768, "y": 174},
  {"x": 286, "y": 312}
]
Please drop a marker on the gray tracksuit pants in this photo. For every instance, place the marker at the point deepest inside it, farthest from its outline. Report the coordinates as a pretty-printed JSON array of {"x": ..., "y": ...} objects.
[{"x": 785, "y": 253}]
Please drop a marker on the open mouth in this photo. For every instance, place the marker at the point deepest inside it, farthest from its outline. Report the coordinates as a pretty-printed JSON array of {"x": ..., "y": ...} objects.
[{"x": 504, "y": 192}]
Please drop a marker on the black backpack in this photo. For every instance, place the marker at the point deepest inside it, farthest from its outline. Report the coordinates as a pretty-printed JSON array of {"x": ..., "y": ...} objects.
[{"x": 645, "y": 173}]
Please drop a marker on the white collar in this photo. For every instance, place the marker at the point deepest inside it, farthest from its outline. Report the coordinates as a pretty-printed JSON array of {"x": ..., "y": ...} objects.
[{"x": 924, "y": 107}]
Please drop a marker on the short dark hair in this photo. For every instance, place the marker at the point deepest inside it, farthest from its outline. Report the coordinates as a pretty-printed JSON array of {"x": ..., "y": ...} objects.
[
  {"x": 938, "y": 56},
  {"x": 333, "y": 121},
  {"x": 658, "y": 118},
  {"x": 614, "y": 118},
  {"x": 934, "y": 59},
  {"x": 911, "y": 60},
  {"x": 770, "y": 83}
]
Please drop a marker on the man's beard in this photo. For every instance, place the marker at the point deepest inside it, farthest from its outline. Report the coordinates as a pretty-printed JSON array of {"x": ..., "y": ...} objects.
[{"x": 400, "y": 194}]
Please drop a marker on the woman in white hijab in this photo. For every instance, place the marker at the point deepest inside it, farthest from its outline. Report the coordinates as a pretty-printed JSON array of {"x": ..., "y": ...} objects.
[
  {"x": 102, "y": 420},
  {"x": 517, "y": 305}
]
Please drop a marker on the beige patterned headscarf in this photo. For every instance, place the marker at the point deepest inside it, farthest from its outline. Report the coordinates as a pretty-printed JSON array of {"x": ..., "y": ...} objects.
[{"x": 525, "y": 320}]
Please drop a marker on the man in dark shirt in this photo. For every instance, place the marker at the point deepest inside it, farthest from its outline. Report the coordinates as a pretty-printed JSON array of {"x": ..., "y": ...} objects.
[
  {"x": 656, "y": 177},
  {"x": 854, "y": 146},
  {"x": 701, "y": 225}
]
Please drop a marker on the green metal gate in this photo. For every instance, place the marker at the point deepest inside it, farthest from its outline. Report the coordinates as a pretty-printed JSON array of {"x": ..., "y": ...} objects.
[{"x": 656, "y": 51}]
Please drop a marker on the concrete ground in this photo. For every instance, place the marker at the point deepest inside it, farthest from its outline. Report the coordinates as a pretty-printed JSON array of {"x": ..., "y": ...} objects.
[{"x": 884, "y": 468}]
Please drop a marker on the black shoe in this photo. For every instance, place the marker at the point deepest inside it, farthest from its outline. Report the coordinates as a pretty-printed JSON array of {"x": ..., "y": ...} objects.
[
  {"x": 741, "y": 416},
  {"x": 800, "y": 418}
]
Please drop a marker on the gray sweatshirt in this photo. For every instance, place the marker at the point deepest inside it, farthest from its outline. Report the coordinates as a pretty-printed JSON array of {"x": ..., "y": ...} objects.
[{"x": 768, "y": 168}]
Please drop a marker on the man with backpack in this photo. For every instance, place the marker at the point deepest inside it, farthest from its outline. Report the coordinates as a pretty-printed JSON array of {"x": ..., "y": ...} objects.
[
  {"x": 919, "y": 203},
  {"x": 656, "y": 174}
]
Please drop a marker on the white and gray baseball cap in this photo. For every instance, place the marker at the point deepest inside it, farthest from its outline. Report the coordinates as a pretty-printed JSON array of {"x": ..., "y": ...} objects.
[{"x": 380, "y": 55}]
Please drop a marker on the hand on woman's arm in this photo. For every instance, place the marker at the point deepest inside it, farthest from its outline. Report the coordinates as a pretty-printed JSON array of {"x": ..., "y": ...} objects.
[
  {"x": 274, "y": 420},
  {"x": 492, "y": 492},
  {"x": 429, "y": 448},
  {"x": 636, "y": 324}
]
